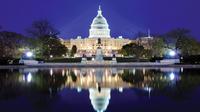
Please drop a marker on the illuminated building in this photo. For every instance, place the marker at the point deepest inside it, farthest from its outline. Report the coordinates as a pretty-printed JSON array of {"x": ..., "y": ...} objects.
[{"x": 99, "y": 30}]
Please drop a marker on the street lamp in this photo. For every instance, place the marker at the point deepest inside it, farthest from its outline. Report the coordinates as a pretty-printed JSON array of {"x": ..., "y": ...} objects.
[
  {"x": 172, "y": 53},
  {"x": 29, "y": 54}
]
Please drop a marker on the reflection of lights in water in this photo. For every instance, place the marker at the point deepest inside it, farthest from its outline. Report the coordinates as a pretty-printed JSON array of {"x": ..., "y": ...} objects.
[
  {"x": 51, "y": 71},
  {"x": 67, "y": 72},
  {"x": 182, "y": 69},
  {"x": 97, "y": 85},
  {"x": 50, "y": 92},
  {"x": 109, "y": 79},
  {"x": 133, "y": 71},
  {"x": 24, "y": 78},
  {"x": 104, "y": 79},
  {"x": 116, "y": 78},
  {"x": 63, "y": 72},
  {"x": 29, "y": 77},
  {"x": 79, "y": 89},
  {"x": 106, "y": 72},
  {"x": 121, "y": 89},
  {"x": 148, "y": 89},
  {"x": 75, "y": 72},
  {"x": 143, "y": 71},
  {"x": 93, "y": 70},
  {"x": 172, "y": 76},
  {"x": 81, "y": 80}
]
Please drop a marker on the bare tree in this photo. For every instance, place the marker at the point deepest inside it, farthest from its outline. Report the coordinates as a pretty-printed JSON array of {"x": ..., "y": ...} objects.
[{"x": 42, "y": 28}]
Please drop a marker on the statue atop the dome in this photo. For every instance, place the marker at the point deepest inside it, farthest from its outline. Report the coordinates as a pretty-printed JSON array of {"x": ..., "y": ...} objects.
[{"x": 99, "y": 11}]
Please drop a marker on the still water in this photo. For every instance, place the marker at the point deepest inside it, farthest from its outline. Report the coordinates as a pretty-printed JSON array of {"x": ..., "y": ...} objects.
[{"x": 100, "y": 90}]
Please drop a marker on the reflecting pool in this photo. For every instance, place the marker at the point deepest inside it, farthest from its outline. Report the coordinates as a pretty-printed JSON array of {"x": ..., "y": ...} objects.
[{"x": 100, "y": 89}]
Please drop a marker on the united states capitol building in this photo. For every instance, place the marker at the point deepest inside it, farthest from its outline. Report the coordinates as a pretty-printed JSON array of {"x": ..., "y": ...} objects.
[{"x": 99, "y": 29}]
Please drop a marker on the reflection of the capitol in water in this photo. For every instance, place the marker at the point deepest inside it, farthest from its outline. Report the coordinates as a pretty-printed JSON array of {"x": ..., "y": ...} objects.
[
  {"x": 101, "y": 81},
  {"x": 100, "y": 96}
]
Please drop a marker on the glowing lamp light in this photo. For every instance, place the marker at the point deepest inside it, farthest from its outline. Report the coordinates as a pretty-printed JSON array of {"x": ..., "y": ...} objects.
[
  {"x": 172, "y": 53},
  {"x": 79, "y": 89},
  {"x": 172, "y": 76},
  {"x": 92, "y": 59},
  {"x": 29, "y": 54}
]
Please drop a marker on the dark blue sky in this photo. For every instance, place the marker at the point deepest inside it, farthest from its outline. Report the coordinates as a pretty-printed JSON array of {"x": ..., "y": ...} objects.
[{"x": 125, "y": 17}]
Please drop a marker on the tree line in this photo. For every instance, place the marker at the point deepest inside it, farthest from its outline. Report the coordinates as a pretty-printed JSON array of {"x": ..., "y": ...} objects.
[
  {"x": 179, "y": 40},
  {"x": 42, "y": 40}
]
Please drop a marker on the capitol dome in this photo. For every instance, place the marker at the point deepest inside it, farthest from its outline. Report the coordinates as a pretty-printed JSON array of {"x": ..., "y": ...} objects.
[{"x": 99, "y": 26}]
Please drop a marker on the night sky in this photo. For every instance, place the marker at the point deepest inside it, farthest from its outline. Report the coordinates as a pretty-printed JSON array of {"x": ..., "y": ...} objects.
[{"x": 125, "y": 17}]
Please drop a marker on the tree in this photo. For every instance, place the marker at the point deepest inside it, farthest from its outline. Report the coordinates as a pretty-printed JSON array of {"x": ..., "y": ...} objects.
[
  {"x": 127, "y": 50},
  {"x": 188, "y": 46},
  {"x": 46, "y": 41},
  {"x": 73, "y": 50},
  {"x": 158, "y": 47},
  {"x": 178, "y": 33},
  {"x": 138, "y": 51},
  {"x": 42, "y": 28},
  {"x": 51, "y": 46},
  {"x": 133, "y": 49},
  {"x": 184, "y": 43},
  {"x": 36, "y": 46},
  {"x": 10, "y": 44},
  {"x": 56, "y": 48}
]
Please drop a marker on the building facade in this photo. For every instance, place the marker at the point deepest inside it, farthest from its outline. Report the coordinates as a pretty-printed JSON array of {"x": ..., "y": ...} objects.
[{"x": 99, "y": 29}]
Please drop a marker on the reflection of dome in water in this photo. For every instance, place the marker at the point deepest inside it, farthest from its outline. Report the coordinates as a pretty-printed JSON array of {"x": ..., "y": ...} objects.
[
  {"x": 99, "y": 75},
  {"x": 99, "y": 26},
  {"x": 100, "y": 100}
]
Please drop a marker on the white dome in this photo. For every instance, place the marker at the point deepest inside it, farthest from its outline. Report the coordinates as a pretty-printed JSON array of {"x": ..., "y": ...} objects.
[{"x": 99, "y": 26}]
